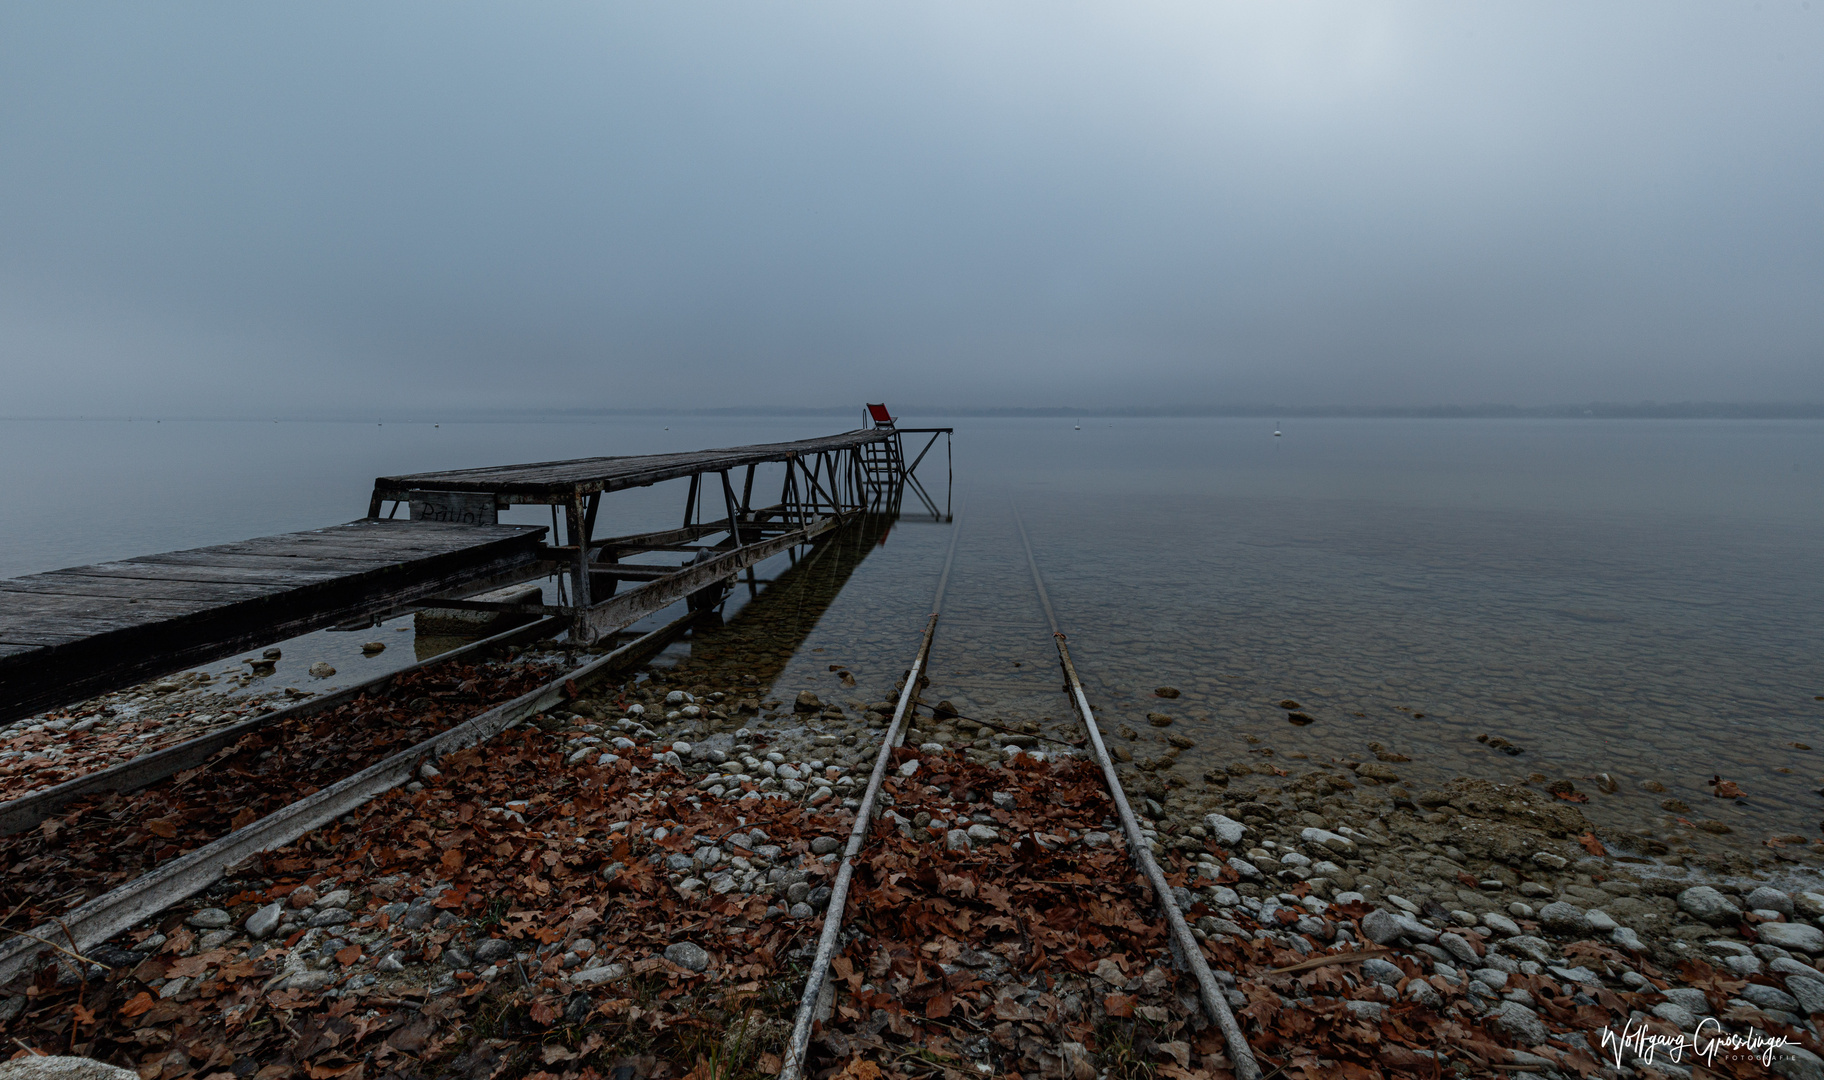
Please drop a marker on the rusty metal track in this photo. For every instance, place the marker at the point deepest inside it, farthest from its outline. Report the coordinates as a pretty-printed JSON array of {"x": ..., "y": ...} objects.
[
  {"x": 1217, "y": 1006},
  {"x": 799, "y": 1043},
  {"x": 23, "y": 813},
  {"x": 106, "y": 915}
]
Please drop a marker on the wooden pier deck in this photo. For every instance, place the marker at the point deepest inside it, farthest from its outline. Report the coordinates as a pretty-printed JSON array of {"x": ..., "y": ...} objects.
[
  {"x": 71, "y": 634},
  {"x": 75, "y": 633},
  {"x": 839, "y": 474},
  {"x": 541, "y": 482}
]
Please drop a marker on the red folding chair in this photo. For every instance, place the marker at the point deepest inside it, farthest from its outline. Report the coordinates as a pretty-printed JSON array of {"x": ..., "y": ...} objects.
[{"x": 879, "y": 415}]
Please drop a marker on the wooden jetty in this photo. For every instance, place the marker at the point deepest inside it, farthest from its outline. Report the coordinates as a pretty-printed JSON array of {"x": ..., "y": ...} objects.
[
  {"x": 87, "y": 630},
  {"x": 824, "y": 481}
]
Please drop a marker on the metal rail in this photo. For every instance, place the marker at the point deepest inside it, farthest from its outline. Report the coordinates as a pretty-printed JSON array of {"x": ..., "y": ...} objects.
[
  {"x": 1240, "y": 1054},
  {"x": 131, "y": 775},
  {"x": 799, "y": 1043},
  {"x": 106, "y": 915}
]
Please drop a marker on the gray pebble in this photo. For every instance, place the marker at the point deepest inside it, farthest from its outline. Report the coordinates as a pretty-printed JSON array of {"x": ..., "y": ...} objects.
[
  {"x": 1520, "y": 1022},
  {"x": 264, "y": 920},
  {"x": 210, "y": 918},
  {"x": 687, "y": 955},
  {"x": 1768, "y": 898}
]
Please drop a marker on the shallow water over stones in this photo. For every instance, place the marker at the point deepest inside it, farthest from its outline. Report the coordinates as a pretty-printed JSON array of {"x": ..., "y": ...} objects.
[{"x": 1543, "y": 602}]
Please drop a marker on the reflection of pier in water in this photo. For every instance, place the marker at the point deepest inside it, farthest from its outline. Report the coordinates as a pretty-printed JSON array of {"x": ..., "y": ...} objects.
[{"x": 763, "y": 636}]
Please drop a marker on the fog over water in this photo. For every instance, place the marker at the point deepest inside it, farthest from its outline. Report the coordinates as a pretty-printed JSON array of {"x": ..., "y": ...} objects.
[
  {"x": 338, "y": 209},
  {"x": 350, "y": 216}
]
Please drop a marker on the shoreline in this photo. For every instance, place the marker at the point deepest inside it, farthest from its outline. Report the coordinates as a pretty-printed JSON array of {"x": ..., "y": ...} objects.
[{"x": 1466, "y": 886}]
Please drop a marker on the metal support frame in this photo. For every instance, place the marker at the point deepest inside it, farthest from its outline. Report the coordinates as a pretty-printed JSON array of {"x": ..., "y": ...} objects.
[{"x": 827, "y": 483}]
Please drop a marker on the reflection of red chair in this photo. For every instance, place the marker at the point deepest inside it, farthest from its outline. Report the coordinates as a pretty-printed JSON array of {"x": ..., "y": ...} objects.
[{"x": 879, "y": 415}]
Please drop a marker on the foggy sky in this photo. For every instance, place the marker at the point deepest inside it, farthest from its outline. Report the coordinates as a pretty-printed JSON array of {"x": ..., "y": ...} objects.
[{"x": 320, "y": 208}]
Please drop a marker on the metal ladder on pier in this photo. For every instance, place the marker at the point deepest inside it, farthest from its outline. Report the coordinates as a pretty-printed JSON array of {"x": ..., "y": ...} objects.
[{"x": 883, "y": 466}]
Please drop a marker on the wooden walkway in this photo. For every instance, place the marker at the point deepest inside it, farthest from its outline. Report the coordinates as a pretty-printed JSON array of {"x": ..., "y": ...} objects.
[
  {"x": 71, "y": 634},
  {"x": 549, "y": 481}
]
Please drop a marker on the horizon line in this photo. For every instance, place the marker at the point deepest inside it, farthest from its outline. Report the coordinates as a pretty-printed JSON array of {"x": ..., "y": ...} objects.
[{"x": 1596, "y": 410}]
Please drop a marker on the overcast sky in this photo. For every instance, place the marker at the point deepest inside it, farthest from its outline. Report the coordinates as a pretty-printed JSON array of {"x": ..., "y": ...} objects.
[{"x": 305, "y": 208}]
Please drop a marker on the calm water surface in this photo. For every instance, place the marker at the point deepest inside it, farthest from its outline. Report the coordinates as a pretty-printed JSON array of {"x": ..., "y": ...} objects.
[{"x": 1640, "y": 598}]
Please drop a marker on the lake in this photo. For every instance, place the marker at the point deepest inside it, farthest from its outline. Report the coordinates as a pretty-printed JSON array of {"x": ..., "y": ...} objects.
[{"x": 1638, "y": 598}]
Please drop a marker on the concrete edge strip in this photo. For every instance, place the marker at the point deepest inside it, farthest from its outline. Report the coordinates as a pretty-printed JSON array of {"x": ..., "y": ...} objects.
[{"x": 106, "y": 915}]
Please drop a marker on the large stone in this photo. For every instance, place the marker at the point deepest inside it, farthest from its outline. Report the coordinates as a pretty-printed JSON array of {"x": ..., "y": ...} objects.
[
  {"x": 1325, "y": 837},
  {"x": 1500, "y": 923},
  {"x": 1382, "y": 971},
  {"x": 1529, "y": 947},
  {"x": 824, "y": 845},
  {"x": 1227, "y": 830},
  {"x": 1384, "y": 928},
  {"x": 1767, "y": 898},
  {"x": 34, "y": 1067},
  {"x": 264, "y": 920},
  {"x": 1675, "y": 1014},
  {"x": 210, "y": 918},
  {"x": 1562, "y": 918},
  {"x": 686, "y": 955},
  {"x": 1519, "y": 1022},
  {"x": 1797, "y": 1063},
  {"x": 1380, "y": 927},
  {"x": 1808, "y": 991},
  {"x": 596, "y": 976},
  {"x": 1627, "y": 939},
  {"x": 1704, "y": 903},
  {"x": 1802, "y": 937},
  {"x": 1768, "y": 997},
  {"x": 807, "y": 702},
  {"x": 1371, "y": 1011},
  {"x": 1424, "y": 993},
  {"x": 1690, "y": 997},
  {"x": 1458, "y": 947},
  {"x": 493, "y": 949},
  {"x": 334, "y": 916},
  {"x": 1493, "y": 978}
]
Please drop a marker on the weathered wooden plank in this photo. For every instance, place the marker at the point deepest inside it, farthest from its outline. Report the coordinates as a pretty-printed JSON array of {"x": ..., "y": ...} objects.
[
  {"x": 363, "y": 541},
  {"x": 68, "y": 646},
  {"x": 281, "y": 563},
  {"x": 125, "y": 589},
  {"x": 275, "y": 580},
  {"x": 549, "y": 478},
  {"x": 17, "y": 609}
]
